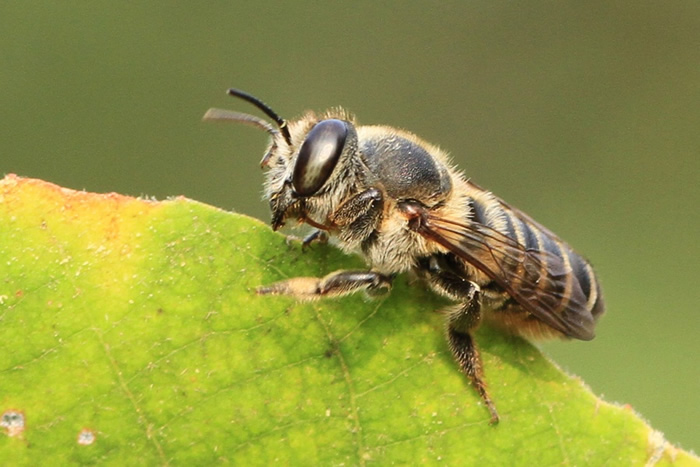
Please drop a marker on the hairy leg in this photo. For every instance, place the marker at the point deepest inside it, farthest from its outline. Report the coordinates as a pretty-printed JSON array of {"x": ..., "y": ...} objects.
[
  {"x": 462, "y": 320},
  {"x": 335, "y": 284}
]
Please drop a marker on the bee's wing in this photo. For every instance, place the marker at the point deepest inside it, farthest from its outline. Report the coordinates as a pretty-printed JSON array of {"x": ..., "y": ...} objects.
[{"x": 538, "y": 280}]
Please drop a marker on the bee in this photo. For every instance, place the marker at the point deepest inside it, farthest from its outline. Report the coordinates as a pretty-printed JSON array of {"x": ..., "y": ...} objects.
[{"x": 398, "y": 200}]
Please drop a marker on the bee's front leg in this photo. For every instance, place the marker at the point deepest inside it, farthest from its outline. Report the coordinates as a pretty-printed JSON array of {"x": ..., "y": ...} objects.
[
  {"x": 317, "y": 235},
  {"x": 334, "y": 284},
  {"x": 358, "y": 217}
]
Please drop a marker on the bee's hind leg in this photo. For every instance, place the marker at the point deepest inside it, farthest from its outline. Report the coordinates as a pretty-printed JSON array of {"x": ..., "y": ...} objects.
[{"x": 462, "y": 321}]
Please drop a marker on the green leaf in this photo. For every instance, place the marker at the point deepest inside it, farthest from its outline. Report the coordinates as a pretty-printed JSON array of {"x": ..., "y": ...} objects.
[{"x": 131, "y": 334}]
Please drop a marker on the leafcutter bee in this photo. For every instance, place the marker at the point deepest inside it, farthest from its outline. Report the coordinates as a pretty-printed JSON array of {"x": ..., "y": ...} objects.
[{"x": 398, "y": 201}]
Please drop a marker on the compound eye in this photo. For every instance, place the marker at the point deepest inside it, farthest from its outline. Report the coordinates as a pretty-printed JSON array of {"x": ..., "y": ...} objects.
[{"x": 318, "y": 156}]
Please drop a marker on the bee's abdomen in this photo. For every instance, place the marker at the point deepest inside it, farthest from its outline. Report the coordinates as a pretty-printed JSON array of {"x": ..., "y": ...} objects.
[{"x": 573, "y": 277}]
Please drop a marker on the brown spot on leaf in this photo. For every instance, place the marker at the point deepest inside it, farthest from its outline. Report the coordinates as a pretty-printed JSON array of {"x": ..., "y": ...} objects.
[
  {"x": 13, "y": 422},
  {"x": 86, "y": 437}
]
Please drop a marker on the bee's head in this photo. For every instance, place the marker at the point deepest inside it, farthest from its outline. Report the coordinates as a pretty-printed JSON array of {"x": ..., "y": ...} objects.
[{"x": 305, "y": 160}]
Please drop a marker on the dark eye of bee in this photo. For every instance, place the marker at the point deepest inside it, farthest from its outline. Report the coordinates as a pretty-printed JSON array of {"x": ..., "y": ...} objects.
[{"x": 318, "y": 156}]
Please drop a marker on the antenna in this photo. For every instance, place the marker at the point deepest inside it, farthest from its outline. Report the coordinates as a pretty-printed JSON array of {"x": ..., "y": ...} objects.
[{"x": 281, "y": 123}]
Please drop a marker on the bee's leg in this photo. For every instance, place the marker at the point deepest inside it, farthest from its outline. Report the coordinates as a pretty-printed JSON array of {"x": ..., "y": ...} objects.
[
  {"x": 460, "y": 324},
  {"x": 317, "y": 235},
  {"x": 333, "y": 285},
  {"x": 361, "y": 212},
  {"x": 360, "y": 215},
  {"x": 462, "y": 320}
]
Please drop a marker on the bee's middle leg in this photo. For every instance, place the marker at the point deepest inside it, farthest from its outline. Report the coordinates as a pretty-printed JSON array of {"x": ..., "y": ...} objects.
[
  {"x": 335, "y": 284},
  {"x": 359, "y": 216}
]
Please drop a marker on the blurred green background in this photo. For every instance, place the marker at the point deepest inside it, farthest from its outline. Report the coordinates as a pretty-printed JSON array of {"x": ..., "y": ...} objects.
[{"x": 586, "y": 115}]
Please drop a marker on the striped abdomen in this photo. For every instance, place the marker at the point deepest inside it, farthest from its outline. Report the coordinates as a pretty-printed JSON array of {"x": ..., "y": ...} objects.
[{"x": 538, "y": 285}]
